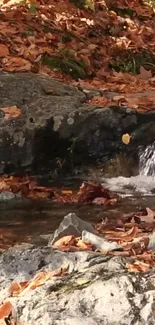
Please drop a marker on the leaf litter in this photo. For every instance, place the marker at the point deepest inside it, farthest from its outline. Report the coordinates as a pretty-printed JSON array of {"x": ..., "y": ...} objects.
[{"x": 82, "y": 43}]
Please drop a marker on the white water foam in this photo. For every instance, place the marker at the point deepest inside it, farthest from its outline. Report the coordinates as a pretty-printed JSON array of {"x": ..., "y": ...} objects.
[
  {"x": 147, "y": 161},
  {"x": 144, "y": 183}
]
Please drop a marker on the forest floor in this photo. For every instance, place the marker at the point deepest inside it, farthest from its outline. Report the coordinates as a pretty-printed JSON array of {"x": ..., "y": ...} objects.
[{"x": 101, "y": 44}]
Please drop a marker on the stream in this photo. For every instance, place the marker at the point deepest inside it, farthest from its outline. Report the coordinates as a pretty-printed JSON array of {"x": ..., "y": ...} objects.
[{"x": 24, "y": 220}]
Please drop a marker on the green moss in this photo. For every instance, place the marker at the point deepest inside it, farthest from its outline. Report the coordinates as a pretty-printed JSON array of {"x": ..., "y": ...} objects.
[
  {"x": 131, "y": 62},
  {"x": 122, "y": 12},
  {"x": 84, "y": 4},
  {"x": 67, "y": 64}
]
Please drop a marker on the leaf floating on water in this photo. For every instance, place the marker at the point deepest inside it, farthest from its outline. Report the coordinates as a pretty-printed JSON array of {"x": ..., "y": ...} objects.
[{"x": 126, "y": 138}]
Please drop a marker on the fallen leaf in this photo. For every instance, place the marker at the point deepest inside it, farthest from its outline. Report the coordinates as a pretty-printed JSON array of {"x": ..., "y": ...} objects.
[
  {"x": 145, "y": 74},
  {"x": 5, "y": 309},
  {"x": 149, "y": 218},
  {"x": 138, "y": 266},
  {"x": 127, "y": 236},
  {"x": 67, "y": 192},
  {"x": 90, "y": 191},
  {"x": 16, "y": 288},
  {"x": 65, "y": 241},
  {"x": 81, "y": 244},
  {"x": 11, "y": 112},
  {"x": 126, "y": 138},
  {"x": 3, "y": 51}
]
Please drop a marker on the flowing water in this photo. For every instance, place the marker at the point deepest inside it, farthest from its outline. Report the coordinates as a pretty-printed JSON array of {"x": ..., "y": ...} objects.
[
  {"x": 24, "y": 220},
  {"x": 142, "y": 184}
]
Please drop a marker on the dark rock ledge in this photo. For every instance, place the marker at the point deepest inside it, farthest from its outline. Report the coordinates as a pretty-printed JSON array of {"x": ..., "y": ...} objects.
[{"x": 57, "y": 125}]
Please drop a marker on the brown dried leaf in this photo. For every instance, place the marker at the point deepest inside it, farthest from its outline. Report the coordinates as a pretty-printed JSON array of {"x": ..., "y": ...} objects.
[
  {"x": 3, "y": 51},
  {"x": 11, "y": 112},
  {"x": 149, "y": 217},
  {"x": 65, "y": 241},
  {"x": 138, "y": 266},
  {"x": 90, "y": 191},
  {"x": 5, "y": 309},
  {"x": 85, "y": 246},
  {"x": 128, "y": 236},
  {"x": 145, "y": 74},
  {"x": 16, "y": 288}
]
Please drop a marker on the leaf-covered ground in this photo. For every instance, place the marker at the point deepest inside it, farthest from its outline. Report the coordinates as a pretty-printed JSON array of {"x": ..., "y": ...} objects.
[{"x": 102, "y": 44}]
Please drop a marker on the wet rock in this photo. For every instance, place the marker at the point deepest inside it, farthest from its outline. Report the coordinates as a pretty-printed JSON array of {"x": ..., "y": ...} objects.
[
  {"x": 99, "y": 242},
  {"x": 71, "y": 225},
  {"x": 97, "y": 290},
  {"x": 57, "y": 126}
]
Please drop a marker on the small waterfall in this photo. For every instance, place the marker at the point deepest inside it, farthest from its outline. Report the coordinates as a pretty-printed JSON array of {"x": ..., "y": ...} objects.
[
  {"x": 144, "y": 183},
  {"x": 147, "y": 161}
]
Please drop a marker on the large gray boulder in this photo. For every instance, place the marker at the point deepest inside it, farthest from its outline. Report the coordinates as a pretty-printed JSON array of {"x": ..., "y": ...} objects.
[{"x": 98, "y": 289}]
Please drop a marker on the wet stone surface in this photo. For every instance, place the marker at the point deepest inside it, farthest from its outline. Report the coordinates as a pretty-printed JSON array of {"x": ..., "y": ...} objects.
[{"x": 57, "y": 123}]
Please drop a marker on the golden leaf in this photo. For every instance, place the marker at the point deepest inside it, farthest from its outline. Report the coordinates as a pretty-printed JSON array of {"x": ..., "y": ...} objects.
[{"x": 126, "y": 138}]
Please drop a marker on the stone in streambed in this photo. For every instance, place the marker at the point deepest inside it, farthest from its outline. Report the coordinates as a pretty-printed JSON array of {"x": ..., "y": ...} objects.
[
  {"x": 99, "y": 242},
  {"x": 71, "y": 225}
]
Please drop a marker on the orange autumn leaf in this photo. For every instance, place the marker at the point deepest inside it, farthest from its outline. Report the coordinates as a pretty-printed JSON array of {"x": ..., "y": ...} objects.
[
  {"x": 42, "y": 277},
  {"x": 5, "y": 309},
  {"x": 69, "y": 192},
  {"x": 65, "y": 241},
  {"x": 11, "y": 112},
  {"x": 16, "y": 288},
  {"x": 126, "y": 236},
  {"x": 84, "y": 246},
  {"x": 138, "y": 266},
  {"x": 3, "y": 51},
  {"x": 38, "y": 280}
]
